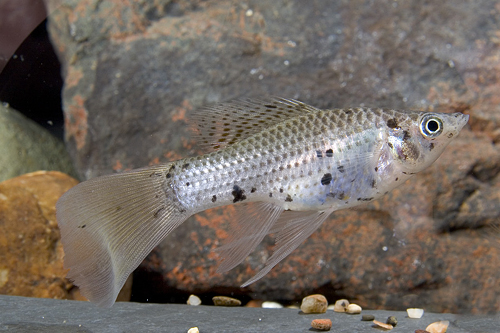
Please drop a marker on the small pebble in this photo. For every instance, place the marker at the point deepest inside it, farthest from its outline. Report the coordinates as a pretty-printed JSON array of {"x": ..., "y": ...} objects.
[
  {"x": 271, "y": 305},
  {"x": 341, "y": 305},
  {"x": 415, "y": 313},
  {"x": 392, "y": 321},
  {"x": 438, "y": 327},
  {"x": 225, "y": 301},
  {"x": 367, "y": 317},
  {"x": 322, "y": 324},
  {"x": 193, "y": 300},
  {"x": 381, "y": 324},
  {"x": 254, "y": 303},
  {"x": 353, "y": 309},
  {"x": 314, "y": 304},
  {"x": 193, "y": 330}
]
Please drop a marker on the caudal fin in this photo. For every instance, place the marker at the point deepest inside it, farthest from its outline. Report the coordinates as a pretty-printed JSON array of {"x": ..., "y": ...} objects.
[{"x": 109, "y": 225}]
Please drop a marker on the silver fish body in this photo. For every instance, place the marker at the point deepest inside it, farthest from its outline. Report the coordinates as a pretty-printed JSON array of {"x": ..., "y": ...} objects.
[{"x": 295, "y": 162}]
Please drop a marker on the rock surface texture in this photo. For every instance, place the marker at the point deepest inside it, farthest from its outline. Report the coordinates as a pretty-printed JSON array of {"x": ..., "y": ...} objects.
[
  {"x": 30, "y": 251},
  {"x": 26, "y": 147},
  {"x": 134, "y": 70}
]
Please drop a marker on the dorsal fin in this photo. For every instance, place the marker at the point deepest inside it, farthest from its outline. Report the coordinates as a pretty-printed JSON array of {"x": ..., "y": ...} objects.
[{"x": 224, "y": 124}]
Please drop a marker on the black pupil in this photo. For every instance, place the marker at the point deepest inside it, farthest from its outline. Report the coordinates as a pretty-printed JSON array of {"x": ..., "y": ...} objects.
[{"x": 432, "y": 126}]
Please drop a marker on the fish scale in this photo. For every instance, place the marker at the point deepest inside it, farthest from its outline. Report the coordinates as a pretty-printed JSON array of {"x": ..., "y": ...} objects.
[{"x": 285, "y": 165}]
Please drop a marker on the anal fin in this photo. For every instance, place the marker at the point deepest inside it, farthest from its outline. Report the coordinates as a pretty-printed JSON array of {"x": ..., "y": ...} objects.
[
  {"x": 253, "y": 222},
  {"x": 297, "y": 227}
]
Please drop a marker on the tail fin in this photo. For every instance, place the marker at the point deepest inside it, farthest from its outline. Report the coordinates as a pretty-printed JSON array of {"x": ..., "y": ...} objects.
[{"x": 109, "y": 225}]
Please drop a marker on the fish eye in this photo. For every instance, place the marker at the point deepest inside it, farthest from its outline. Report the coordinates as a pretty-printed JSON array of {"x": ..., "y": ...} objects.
[{"x": 431, "y": 126}]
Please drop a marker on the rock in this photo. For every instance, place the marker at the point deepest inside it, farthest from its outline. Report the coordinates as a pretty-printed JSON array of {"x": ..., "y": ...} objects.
[
  {"x": 341, "y": 305},
  {"x": 314, "y": 304},
  {"x": 193, "y": 330},
  {"x": 119, "y": 89},
  {"x": 392, "y": 321},
  {"x": 382, "y": 325},
  {"x": 367, "y": 317},
  {"x": 193, "y": 300},
  {"x": 321, "y": 324},
  {"x": 415, "y": 313},
  {"x": 30, "y": 252},
  {"x": 353, "y": 309},
  {"x": 25, "y": 147},
  {"x": 225, "y": 301},
  {"x": 271, "y": 305},
  {"x": 438, "y": 327}
]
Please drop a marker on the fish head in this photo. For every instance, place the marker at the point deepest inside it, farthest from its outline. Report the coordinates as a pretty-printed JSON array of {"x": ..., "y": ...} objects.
[{"x": 418, "y": 140}]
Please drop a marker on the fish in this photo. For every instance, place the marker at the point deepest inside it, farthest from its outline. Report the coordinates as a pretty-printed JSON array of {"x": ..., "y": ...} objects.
[{"x": 284, "y": 165}]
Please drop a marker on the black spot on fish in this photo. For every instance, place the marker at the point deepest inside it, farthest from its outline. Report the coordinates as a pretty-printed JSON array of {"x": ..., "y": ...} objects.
[
  {"x": 185, "y": 165},
  {"x": 187, "y": 184},
  {"x": 82, "y": 226},
  {"x": 319, "y": 154},
  {"x": 376, "y": 169},
  {"x": 270, "y": 194},
  {"x": 281, "y": 190},
  {"x": 327, "y": 178},
  {"x": 406, "y": 135},
  {"x": 374, "y": 183},
  {"x": 238, "y": 194},
  {"x": 270, "y": 106},
  {"x": 158, "y": 212},
  {"x": 396, "y": 179},
  {"x": 392, "y": 123},
  {"x": 450, "y": 135},
  {"x": 365, "y": 199},
  {"x": 169, "y": 175},
  {"x": 155, "y": 174},
  {"x": 214, "y": 198},
  {"x": 253, "y": 190},
  {"x": 408, "y": 173},
  {"x": 329, "y": 153},
  {"x": 431, "y": 146},
  {"x": 340, "y": 168},
  {"x": 390, "y": 145},
  {"x": 341, "y": 196},
  {"x": 288, "y": 198}
]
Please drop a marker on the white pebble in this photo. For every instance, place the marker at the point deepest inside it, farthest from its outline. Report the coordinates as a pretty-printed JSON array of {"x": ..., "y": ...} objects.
[
  {"x": 271, "y": 305},
  {"x": 193, "y": 330},
  {"x": 341, "y": 305},
  {"x": 415, "y": 313},
  {"x": 193, "y": 300},
  {"x": 353, "y": 309}
]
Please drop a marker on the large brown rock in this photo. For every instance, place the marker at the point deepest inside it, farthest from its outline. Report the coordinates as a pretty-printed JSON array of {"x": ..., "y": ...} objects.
[
  {"x": 30, "y": 251},
  {"x": 134, "y": 71}
]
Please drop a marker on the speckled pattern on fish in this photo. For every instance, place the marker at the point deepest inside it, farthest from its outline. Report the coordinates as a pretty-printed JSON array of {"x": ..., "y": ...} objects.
[{"x": 295, "y": 163}]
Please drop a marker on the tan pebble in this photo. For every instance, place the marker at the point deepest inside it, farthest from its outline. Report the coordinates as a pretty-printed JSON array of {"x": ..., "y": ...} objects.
[
  {"x": 193, "y": 330},
  {"x": 341, "y": 305},
  {"x": 226, "y": 301},
  {"x": 254, "y": 303},
  {"x": 271, "y": 305},
  {"x": 383, "y": 325},
  {"x": 314, "y": 304},
  {"x": 322, "y": 324},
  {"x": 353, "y": 309},
  {"x": 415, "y": 313},
  {"x": 193, "y": 300},
  {"x": 438, "y": 327}
]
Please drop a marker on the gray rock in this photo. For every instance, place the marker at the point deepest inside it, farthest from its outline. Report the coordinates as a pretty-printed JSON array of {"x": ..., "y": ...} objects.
[
  {"x": 20, "y": 314},
  {"x": 25, "y": 147}
]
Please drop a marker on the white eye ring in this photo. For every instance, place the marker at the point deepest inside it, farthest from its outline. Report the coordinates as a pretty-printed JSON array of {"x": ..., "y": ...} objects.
[{"x": 431, "y": 126}]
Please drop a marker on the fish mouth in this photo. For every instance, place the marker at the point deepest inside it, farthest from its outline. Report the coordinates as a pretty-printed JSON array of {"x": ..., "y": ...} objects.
[{"x": 462, "y": 120}]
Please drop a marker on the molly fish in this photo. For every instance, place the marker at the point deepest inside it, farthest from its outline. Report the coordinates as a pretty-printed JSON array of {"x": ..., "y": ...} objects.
[{"x": 294, "y": 162}]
